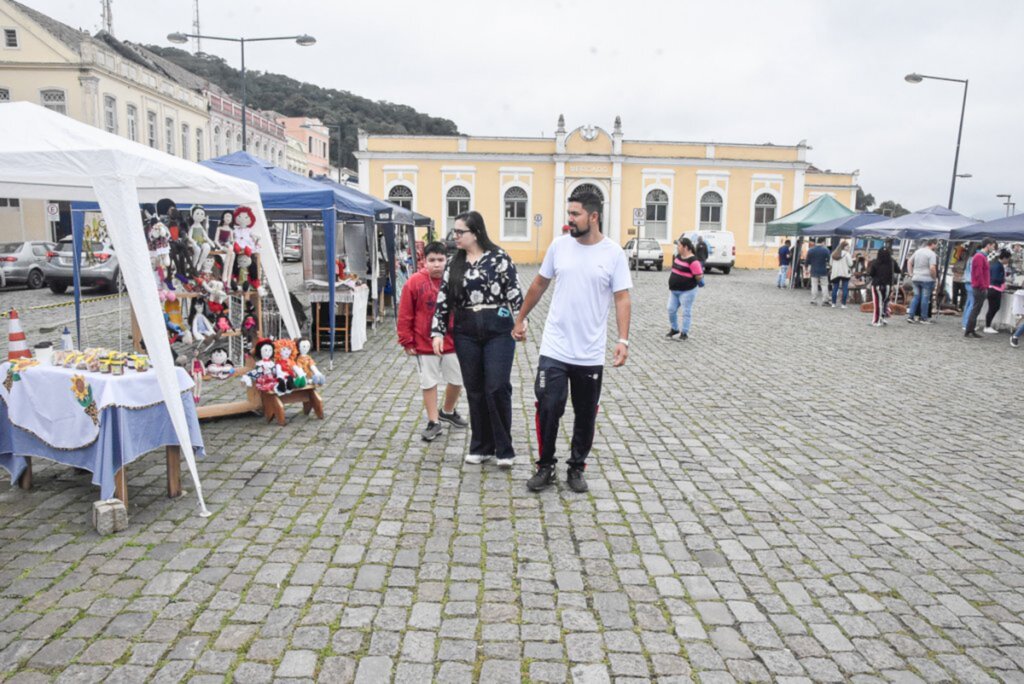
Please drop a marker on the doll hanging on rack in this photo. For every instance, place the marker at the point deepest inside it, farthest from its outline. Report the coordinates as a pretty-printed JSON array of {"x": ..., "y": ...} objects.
[
  {"x": 293, "y": 375},
  {"x": 219, "y": 366},
  {"x": 198, "y": 236},
  {"x": 180, "y": 249},
  {"x": 223, "y": 243},
  {"x": 266, "y": 374},
  {"x": 158, "y": 239},
  {"x": 246, "y": 249},
  {"x": 307, "y": 364}
]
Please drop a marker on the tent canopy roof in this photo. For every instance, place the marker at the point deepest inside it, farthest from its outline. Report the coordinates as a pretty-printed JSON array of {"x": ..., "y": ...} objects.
[
  {"x": 843, "y": 226},
  {"x": 1009, "y": 229},
  {"x": 824, "y": 208},
  {"x": 46, "y": 155},
  {"x": 401, "y": 216},
  {"x": 933, "y": 222},
  {"x": 283, "y": 190}
]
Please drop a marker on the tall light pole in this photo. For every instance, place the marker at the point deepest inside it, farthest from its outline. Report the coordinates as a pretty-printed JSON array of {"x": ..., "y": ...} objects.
[
  {"x": 917, "y": 78},
  {"x": 1007, "y": 203},
  {"x": 182, "y": 38},
  {"x": 330, "y": 126}
]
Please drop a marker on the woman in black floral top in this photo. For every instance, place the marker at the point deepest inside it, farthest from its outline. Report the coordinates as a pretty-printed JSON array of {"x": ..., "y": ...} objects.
[{"x": 480, "y": 297}]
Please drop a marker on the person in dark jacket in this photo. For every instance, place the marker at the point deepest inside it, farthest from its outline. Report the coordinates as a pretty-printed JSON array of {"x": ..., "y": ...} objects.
[
  {"x": 882, "y": 272},
  {"x": 701, "y": 252}
]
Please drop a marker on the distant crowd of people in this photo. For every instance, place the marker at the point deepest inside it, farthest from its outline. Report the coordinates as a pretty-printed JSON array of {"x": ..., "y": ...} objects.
[{"x": 980, "y": 274}]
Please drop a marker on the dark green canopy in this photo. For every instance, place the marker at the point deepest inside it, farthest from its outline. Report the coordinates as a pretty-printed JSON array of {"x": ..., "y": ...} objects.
[{"x": 825, "y": 208}]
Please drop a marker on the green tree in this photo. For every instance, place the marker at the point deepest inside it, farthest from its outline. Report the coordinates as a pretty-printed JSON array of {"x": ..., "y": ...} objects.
[
  {"x": 864, "y": 201},
  {"x": 890, "y": 208}
]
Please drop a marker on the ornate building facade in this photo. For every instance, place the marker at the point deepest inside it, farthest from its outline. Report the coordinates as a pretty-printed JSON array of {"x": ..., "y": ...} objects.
[{"x": 521, "y": 185}]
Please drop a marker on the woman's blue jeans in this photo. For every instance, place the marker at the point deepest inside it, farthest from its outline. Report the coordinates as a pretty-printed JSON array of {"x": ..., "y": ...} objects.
[{"x": 684, "y": 299}]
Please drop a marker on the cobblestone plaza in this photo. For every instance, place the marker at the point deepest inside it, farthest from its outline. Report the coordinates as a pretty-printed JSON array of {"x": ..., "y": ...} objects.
[{"x": 789, "y": 495}]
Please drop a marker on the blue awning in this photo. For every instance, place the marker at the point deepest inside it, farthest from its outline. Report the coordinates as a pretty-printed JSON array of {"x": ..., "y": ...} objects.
[
  {"x": 933, "y": 222},
  {"x": 1009, "y": 229},
  {"x": 843, "y": 226}
]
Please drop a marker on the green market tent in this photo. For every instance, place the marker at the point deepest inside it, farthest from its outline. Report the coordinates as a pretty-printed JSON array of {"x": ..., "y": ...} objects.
[{"x": 825, "y": 208}]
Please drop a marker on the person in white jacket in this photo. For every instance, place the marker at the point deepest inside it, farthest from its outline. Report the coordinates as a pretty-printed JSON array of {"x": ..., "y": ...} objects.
[{"x": 842, "y": 269}]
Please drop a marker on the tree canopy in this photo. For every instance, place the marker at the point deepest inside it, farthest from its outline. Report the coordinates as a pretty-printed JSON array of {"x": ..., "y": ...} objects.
[{"x": 292, "y": 97}]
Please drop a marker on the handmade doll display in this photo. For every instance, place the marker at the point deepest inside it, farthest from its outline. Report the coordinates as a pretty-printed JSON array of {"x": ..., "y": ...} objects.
[
  {"x": 246, "y": 249},
  {"x": 265, "y": 375},
  {"x": 216, "y": 297},
  {"x": 198, "y": 236},
  {"x": 219, "y": 366},
  {"x": 225, "y": 242},
  {"x": 307, "y": 364},
  {"x": 291, "y": 373}
]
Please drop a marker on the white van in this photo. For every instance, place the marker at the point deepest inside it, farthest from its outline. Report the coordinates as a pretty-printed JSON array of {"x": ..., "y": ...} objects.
[{"x": 721, "y": 248}]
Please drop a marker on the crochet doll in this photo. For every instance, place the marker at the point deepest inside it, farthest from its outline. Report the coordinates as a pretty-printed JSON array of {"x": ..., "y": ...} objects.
[
  {"x": 246, "y": 248},
  {"x": 265, "y": 375},
  {"x": 291, "y": 373},
  {"x": 198, "y": 236},
  {"x": 307, "y": 364},
  {"x": 219, "y": 366},
  {"x": 224, "y": 243}
]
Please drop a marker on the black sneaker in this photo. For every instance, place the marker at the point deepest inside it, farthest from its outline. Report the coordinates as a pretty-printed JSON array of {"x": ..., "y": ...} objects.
[
  {"x": 672, "y": 333},
  {"x": 1014, "y": 341},
  {"x": 542, "y": 479},
  {"x": 684, "y": 336},
  {"x": 431, "y": 432},
  {"x": 575, "y": 480},
  {"x": 454, "y": 418},
  {"x": 971, "y": 333}
]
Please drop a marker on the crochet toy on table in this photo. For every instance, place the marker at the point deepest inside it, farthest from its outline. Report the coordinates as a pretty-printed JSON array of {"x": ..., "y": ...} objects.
[
  {"x": 266, "y": 375},
  {"x": 293, "y": 375}
]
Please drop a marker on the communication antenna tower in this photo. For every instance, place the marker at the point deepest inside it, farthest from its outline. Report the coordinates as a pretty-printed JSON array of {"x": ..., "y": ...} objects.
[
  {"x": 107, "y": 16},
  {"x": 195, "y": 28}
]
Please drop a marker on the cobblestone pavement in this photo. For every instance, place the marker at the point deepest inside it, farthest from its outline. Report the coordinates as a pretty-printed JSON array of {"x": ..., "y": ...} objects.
[{"x": 789, "y": 495}]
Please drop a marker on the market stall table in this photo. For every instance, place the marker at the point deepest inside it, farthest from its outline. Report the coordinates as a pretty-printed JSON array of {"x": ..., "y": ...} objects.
[
  {"x": 92, "y": 421},
  {"x": 1011, "y": 308},
  {"x": 352, "y": 303}
]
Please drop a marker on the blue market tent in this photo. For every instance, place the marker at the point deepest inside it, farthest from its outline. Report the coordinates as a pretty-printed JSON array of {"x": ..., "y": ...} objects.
[
  {"x": 293, "y": 196},
  {"x": 843, "y": 226},
  {"x": 1009, "y": 229},
  {"x": 933, "y": 222}
]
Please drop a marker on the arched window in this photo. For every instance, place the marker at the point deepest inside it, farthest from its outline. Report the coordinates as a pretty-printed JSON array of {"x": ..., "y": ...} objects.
[
  {"x": 54, "y": 99},
  {"x": 216, "y": 141},
  {"x": 401, "y": 195},
  {"x": 656, "y": 225},
  {"x": 514, "y": 219},
  {"x": 711, "y": 211},
  {"x": 110, "y": 114},
  {"x": 199, "y": 144},
  {"x": 457, "y": 203},
  {"x": 764, "y": 212},
  {"x": 133, "y": 123},
  {"x": 186, "y": 139}
]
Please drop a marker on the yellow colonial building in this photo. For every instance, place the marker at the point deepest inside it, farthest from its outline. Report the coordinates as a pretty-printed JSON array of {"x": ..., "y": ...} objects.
[{"x": 521, "y": 185}]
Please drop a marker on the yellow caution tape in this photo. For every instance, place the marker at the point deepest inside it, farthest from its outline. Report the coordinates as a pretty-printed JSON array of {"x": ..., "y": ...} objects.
[{"x": 58, "y": 305}]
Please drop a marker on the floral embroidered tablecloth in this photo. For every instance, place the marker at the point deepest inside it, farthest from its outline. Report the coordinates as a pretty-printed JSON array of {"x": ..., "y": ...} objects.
[{"x": 64, "y": 407}]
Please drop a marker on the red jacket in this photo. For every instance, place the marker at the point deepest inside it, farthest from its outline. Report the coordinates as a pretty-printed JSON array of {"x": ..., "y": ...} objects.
[
  {"x": 980, "y": 275},
  {"x": 416, "y": 313}
]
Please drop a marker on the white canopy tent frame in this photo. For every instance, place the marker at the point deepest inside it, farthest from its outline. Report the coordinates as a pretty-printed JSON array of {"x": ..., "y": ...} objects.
[{"x": 49, "y": 156}]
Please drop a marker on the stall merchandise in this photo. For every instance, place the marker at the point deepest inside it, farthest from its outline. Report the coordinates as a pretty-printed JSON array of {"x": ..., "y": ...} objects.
[{"x": 46, "y": 155}]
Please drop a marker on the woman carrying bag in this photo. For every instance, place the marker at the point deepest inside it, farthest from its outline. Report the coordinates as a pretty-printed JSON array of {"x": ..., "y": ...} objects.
[
  {"x": 481, "y": 296},
  {"x": 842, "y": 269}
]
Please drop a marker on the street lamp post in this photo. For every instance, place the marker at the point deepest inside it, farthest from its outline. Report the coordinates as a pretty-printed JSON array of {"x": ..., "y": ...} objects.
[
  {"x": 1007, "y": 203},
  {"x": 917, "y": 78},
  {"x": 330, "y": 126},
  {"x": 180, "y": 38}
]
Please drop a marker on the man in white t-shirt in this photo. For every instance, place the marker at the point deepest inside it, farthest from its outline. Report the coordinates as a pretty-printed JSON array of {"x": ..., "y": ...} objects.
[
  {"x": 591, "y": 271},
  {"x": 923, "y": 273}
]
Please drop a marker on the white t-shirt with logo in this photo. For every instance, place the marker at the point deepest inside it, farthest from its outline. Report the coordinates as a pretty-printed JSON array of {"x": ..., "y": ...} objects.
[{"x": 587, "y": 276}]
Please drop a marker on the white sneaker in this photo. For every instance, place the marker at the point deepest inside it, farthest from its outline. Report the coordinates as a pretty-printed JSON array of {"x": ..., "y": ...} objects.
[
  {"x": 990, "y": 331},
  {"x": 505, "y": 462},
  {"x": 843, "y": 306},
  {"x": 477, "y": 459}
]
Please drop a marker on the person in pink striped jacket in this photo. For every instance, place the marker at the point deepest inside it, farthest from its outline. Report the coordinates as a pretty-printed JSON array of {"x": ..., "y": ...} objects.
[{"x": 686, "y": 276}]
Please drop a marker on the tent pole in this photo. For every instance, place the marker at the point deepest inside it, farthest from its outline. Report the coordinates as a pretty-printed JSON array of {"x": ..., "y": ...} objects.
[
  {"x": 330, "y": 224},
  {"x": 77, "y": 239}
]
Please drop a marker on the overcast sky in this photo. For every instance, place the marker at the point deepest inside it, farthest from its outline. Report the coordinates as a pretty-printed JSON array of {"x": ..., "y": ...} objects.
[{"x": 827, "y": 71}]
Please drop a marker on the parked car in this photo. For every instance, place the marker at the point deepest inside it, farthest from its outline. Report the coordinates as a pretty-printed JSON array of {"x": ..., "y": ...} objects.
[
  {"x": 449, "y": 244},
  {"x": 721, "y": 248},
  {"x": 649, "y": 254},
  {"x": 21, "y": 263},
  {"x": 98, "y": 267},
  {"x": 292, "y": 248}
]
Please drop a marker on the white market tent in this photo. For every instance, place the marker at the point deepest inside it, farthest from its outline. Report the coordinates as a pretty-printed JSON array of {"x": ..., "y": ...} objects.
[{"x": 46, "y": 155}]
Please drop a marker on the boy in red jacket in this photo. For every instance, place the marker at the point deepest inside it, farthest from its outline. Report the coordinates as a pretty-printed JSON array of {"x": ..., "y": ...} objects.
[{"x": 415, "y": 313}]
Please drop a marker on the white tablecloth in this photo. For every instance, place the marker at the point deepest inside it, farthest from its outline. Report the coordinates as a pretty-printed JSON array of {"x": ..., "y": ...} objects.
[
  {"x": 359, "y": 298},
  {"x": 1011, "y": 307},
  {"x": 42, "y": 400}
]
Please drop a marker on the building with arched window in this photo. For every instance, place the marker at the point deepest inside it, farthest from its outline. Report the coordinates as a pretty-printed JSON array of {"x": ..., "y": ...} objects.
[{"x": 520, "y": 185}]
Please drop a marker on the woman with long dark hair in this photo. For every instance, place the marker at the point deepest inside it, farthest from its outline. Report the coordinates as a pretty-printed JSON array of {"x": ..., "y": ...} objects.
[
  {"x": 479, "y": 299},
  {"x": 881, "y": 271}
]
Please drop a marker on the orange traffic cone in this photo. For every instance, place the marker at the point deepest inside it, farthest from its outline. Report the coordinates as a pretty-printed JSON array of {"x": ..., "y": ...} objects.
[{"x": 17, "y": 347}]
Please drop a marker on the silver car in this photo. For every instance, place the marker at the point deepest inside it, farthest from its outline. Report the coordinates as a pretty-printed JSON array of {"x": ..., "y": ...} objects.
[
  {"x": 98, "y": 267},
  {"x": 22, "y": 263}
]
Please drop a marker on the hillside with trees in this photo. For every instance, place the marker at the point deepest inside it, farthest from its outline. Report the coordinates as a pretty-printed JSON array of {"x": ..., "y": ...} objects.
[{"x": 291, "y": 97}]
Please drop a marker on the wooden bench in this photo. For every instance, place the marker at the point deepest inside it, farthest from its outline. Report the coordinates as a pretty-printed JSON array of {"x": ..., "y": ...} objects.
[{"x": 273, "y": 404}]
